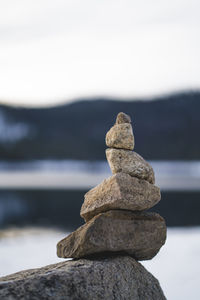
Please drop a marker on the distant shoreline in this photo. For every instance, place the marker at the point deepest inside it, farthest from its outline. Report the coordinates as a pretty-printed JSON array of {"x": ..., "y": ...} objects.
[{"x": 69, "y": 174}]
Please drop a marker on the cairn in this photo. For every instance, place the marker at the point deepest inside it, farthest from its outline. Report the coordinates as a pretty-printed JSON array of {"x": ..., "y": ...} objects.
[{"x": 115, "y": 210}]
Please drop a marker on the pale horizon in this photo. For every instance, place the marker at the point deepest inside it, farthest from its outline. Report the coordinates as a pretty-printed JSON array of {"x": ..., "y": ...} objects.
[
  {"x": 53, "y": 52},
  {"x": 57, "y": 102}
]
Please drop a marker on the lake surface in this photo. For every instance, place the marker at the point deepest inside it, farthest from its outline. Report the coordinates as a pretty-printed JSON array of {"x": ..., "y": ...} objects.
[{"x": 45, "y": 193}]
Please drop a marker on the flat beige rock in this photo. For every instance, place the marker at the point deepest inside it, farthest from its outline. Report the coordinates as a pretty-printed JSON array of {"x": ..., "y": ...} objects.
[
  {"x": 140, "y": 235},
  {"x": 120, "y": 136},
  {"x": 120, "y": 191},
  {"x": 131, "y": 163}
]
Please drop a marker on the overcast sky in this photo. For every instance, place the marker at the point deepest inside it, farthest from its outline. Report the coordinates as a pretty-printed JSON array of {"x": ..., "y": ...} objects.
[{"x": 59, "y": 50}]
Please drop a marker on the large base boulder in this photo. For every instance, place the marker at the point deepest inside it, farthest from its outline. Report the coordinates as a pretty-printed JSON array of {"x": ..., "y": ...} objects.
[{"x": 112, "y": 278}]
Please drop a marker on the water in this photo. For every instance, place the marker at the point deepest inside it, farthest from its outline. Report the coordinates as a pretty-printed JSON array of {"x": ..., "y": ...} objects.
[
  {"x": 47, "y": 195},
  {"x": 50, "y": 193}
]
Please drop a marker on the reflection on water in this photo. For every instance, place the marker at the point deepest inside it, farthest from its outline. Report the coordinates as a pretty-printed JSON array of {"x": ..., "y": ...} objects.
[
  {"x": 41, "y": 207},
  {"x": 61, "y": 208},
  {"x": 12, "y": 207}
]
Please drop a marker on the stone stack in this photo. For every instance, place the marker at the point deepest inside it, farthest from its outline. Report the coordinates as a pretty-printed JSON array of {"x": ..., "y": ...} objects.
[{"x": 115, "y": 210}]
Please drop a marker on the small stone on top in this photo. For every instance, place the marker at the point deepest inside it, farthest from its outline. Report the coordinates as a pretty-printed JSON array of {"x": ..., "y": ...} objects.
[{"x": 123, "y": 118}]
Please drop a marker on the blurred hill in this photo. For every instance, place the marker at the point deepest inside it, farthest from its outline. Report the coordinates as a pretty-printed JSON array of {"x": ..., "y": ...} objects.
[{"x": 166, "y": 129}]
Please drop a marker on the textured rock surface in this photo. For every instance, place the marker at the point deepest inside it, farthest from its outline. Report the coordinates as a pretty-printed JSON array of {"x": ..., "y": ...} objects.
[
  {"x": 131, "y": 163},
  {"x": 138, "y": 234},
  {"x": 111, "y": 278},
  {"x": 120, "y": 191},
  {"x": 120, "y": 136},
  {"x": 123, "y": 118}
]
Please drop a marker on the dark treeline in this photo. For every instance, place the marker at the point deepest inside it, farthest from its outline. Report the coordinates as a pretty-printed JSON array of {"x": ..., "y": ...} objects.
[{"x": 166, "y": 128}]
